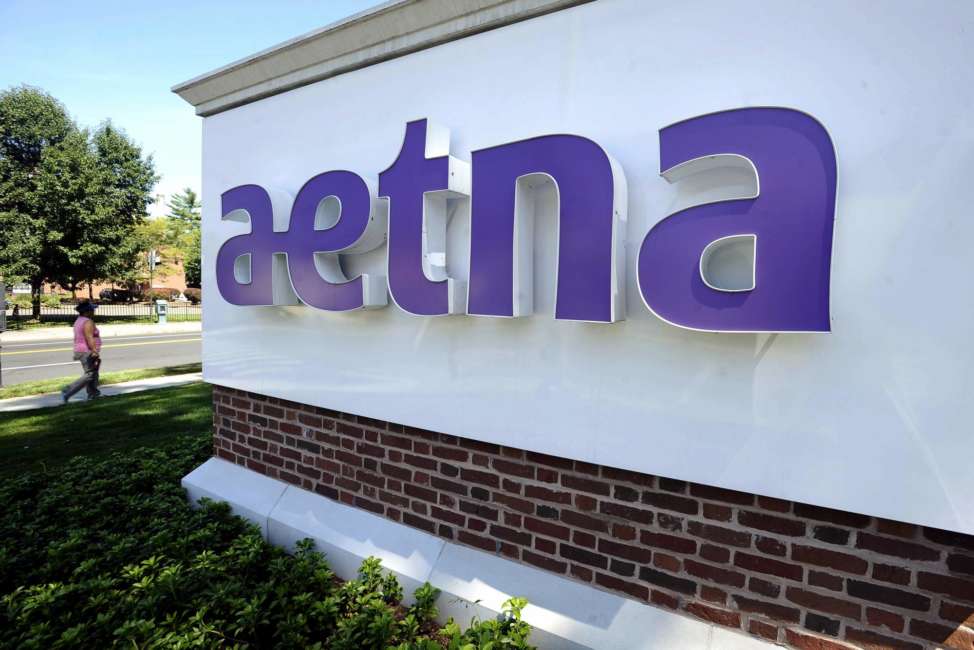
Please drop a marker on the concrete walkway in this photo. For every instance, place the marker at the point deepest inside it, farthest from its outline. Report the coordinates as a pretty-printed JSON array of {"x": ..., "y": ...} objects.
[
  {"x": 107, "y": 331},
  {"x": 54, "y": 399}
]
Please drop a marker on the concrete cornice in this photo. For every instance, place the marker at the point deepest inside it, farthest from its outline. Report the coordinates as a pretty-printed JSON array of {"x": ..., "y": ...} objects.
[{"x": 389, "y": 30}]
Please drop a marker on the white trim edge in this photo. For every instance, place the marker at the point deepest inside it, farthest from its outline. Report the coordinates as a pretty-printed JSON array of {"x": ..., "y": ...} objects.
[
  {"x": 564, "y": 614},
  {"x": 387, "y": 31}
]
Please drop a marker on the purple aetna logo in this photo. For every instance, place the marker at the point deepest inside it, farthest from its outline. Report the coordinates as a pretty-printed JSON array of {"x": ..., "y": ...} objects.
[{"x": 777, "y": 228}]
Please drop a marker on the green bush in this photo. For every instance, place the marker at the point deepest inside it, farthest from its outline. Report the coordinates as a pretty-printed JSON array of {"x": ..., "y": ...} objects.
[
  {"x": 109, "y": 554},
  {"x": 161, "y": 293},
  {"x": 193, "y": 295},
  {"x": 20, "y": 299},
  {"x": 51, "y": 300}
]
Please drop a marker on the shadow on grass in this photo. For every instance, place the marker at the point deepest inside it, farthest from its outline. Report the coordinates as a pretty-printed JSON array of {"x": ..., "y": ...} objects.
[{"x": 47, "y": 438}]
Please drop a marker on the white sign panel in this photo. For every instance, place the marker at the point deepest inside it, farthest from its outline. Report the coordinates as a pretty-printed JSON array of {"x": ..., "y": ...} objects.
[{"x": 716, "y": 243}]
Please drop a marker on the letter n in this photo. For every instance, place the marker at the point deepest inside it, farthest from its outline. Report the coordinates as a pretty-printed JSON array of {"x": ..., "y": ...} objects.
[{"x": 592, "y": 208}]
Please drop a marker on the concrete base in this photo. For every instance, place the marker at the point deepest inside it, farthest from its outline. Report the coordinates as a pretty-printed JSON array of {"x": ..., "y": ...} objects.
[{"x": 563, "y": 613}]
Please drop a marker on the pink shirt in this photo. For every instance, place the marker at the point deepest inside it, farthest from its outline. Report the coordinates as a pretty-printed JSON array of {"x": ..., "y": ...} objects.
[{"x": 80, "y": 344}]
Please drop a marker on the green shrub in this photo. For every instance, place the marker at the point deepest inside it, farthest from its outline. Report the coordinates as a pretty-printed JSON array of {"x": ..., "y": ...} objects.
[
  {"x": 20, "y": 299},
  {"x": 51, "y": 300},
  {"x": 193, "y": 295},
  {"x": 161, "y": 293},
  {"x": 109, "y": 554}
]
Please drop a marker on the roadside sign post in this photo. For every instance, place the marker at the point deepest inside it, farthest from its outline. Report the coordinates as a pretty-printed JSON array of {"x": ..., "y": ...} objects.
[{"x": 153, "y": 259}]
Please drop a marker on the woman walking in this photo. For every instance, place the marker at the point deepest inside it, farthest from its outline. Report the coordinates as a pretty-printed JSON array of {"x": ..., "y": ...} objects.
[{"x": 87, "y": 345}]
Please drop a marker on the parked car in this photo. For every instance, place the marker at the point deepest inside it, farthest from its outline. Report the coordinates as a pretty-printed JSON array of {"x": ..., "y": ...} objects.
[{"x": 116, "y": 295}]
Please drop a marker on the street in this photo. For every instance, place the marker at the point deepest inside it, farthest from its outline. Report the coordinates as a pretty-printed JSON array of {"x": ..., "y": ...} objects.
[{"x": 50, "y": 359}]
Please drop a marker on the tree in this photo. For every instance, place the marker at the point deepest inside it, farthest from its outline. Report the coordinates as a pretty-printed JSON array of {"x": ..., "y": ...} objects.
[
  {"x": 32, "y": 125},
  {"x": 184, "y": 232},
  {"x": 70, "y": 200}
]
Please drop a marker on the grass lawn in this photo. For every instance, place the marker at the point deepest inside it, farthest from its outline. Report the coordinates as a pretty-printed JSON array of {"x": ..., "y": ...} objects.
[
  {"x": 117, "y": 377},
  {"x": 46, "y": 438}
]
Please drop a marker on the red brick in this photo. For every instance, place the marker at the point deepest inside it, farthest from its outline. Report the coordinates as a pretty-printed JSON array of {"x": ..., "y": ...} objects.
[
  {"x": 806, "y": 641},
  {"x": 959, "y": 588},
  {"x": 949, "y": 636},
  {"x": 668, "y": 542},
  {"x": 663, "y": 599},
  {"x": 768, "y": 565},
  {"x": 573, "y": 518},
  {"x": 762, "y": 629},
  {"x": 633, "y": 589},
  {"x": 716, "y": 615},
  {"x": 897, "y": 528},
  {"x": 957, "y": 563},
  {"x": 625, "y": 551},
  {"x": 828, "y": 558},
  {"x": 621, "y": 531},
  {"x": 713, "y": 553},
  {"x": 764, "y": 587},
  {"x": 719, "y": 534},
  {"x": 827, "y": 580},
  {"x": 714, "y": 574},
  {"x": 713, "y": 594},
  {"x": 770, "y": 546},
  {"x": 510, "y": 535},
  {"x": 611, "y": 473},
  {"x": 820, "y": 603},
  {"x": 828, "y": 515},
  {"x": 451, "y": 453},
  {"x": 771, "y": 610},
  {"x": 544, "y": 562},
  {"x": 958, "y": 613},
  {"x": 771, "y": 523},
  {"x": 476, "y": 476},
  {"x": 716, "y": 512},
  {"x": 667, "y": 581},
  {"x": 583, "y": 556},
  {"x": 887, "y": 595},
  {"x": 551, "y": 461},
  {"x": 897, "y": 547},
  {"x": 721, "y": 494},
  {"x": 582, "y": 573},
  {"x": 635, "y": 515},
  {"x": 949, "y": 538},
  {"x": 514, "y": 469},
  {"x": 545, "y": 527},
  {"x": 671, "y": 502},
  {"x": 585, "y": 502},
  {"x": 585, "y": 484},
  {"x": 545, "y": 494},
  {"x": 514, "y": 503},
  {"x": 882, "y": 618},
  {"x": 888, "y": 573},
  {"x": 666, "y": 562},
  {"x": 583, "y": 539},
  {"x": 479, "y": 541},
  {"x": 873, "y": 641},
  {"x": 774, "y": 505}
]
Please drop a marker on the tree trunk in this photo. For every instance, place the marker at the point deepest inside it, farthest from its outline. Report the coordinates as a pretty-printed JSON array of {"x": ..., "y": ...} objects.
[
  {"x": 90, "y": 295},
  {"x": 35, "y": 298}
]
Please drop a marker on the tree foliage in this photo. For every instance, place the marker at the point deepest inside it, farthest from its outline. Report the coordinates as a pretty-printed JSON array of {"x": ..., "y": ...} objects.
[
  {"x": 184, "y": 232},
  {"x": 70, "y": 199}
]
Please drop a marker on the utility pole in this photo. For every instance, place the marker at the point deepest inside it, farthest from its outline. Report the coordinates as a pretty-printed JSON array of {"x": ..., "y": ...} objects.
[{"x": 153, "y": 260}]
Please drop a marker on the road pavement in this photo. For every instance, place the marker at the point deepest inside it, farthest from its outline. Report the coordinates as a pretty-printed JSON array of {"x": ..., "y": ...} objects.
[{"x": 47, "y": 359}]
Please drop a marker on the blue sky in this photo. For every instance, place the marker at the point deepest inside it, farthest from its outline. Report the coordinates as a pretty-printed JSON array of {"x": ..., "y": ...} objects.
[{"x": 118, "y": 59}]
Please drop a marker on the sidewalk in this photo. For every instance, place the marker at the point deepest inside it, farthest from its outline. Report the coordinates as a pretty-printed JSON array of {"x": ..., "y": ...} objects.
[
  {"x": 54, "y": 399},
  {"x": 107, "y": 331}
]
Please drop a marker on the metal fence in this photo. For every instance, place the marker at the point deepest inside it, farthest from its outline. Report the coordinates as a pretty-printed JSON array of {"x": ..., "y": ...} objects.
[{"x": 20, "y": 317}]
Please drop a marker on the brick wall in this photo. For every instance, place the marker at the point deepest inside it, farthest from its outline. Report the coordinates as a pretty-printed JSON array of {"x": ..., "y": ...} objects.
[{"x": 801, "y": 575}]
